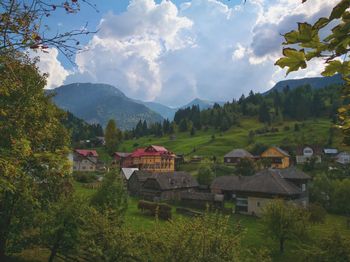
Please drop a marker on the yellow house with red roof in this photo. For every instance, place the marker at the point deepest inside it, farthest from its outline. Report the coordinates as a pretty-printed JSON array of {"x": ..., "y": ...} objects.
[{"x": 154, "y": 159}]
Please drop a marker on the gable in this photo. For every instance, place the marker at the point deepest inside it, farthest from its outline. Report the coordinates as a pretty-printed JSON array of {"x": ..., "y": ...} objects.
[{"x": 273, "y": 152}]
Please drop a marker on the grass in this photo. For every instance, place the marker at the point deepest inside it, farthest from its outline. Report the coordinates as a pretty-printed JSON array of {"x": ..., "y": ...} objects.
[{"x": 311, "y": 131}]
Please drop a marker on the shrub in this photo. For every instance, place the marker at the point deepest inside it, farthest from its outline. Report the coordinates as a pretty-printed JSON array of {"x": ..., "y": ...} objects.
[
  {"x": 85, "y": 177},
  {"x": 317, "y": 213}
]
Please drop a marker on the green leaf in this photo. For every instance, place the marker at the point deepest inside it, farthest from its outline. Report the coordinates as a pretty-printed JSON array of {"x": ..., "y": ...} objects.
[
  {"x": 322, "y": 22},
  {"x": 339, "y": 9},
  {"x": 293, "y": 59},
  {"x": 337, "y": 66}
]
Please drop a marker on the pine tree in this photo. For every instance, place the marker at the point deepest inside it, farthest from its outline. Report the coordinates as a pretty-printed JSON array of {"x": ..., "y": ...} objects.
[{"x": 112, "y": 136}]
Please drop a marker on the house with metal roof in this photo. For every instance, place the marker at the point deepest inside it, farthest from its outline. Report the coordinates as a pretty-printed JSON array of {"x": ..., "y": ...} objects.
[
  {"x": 252, "y": 193},
  {"x": 237, "y": 155}
]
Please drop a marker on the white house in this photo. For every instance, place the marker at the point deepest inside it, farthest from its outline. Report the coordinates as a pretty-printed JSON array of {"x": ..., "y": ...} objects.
[
  {"x": 343, "y": 158},
  {"x": 306, "y": 153}
]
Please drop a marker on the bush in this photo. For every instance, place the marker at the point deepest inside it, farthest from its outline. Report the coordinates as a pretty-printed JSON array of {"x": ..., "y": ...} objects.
[
  {"x": 162, "y": 210},
  {"x": 317, "y": 213},
  {"x": 286, "y": 128},
  {"x": 85, "y": 177}
]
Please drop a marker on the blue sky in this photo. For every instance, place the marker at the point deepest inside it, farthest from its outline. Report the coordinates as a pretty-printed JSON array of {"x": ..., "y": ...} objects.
[{"x": 174, "y": 51}]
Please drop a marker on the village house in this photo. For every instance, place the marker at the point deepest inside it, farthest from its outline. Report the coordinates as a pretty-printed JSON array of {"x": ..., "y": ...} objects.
[
  {"x": 236, "y": 155},
  {"x": 135, "y": 182},
  {"x": 343, "y": 158},
  {"x": 252, "y": 193},
  {"x": 85, "y": 160},
  {"x": 304, "y": 154},
  {"x": 168, "y": 186},
  {"x": 330, "y": 152},
  {"x": 278, "y": 158},
  {"x": 202, "y": 200},
  {"x": 122, "y": 159},
  {"x": 154, "y": 159}
]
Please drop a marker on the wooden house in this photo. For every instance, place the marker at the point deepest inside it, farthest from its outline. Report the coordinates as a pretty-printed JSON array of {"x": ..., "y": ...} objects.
[
  {"x": 252, "y": 193},
  {"x": 202, "y": 200},
  {"x": 127, "y": 172},
  {"x": 278, "y": 158},
  {"x": 236, "y": 155},
  {"x": 154, "y": 159},
  {"x": 168, "y": 186},
  {"x": 122, "y": 159},
  {"x": 85, "y": 160},
  {"x": 303, "y": 154},
  {"x": 135, "y": 182}
]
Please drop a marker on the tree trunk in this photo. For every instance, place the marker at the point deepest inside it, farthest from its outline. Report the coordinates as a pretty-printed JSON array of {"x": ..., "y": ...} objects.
[
  {"x": 53, "y": 253},
  {"x": 281, "y": 245}
]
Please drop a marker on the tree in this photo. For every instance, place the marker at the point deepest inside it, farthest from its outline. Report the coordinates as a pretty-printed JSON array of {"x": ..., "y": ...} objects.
[
  {"x": 284, "y": 221},
  {"x": 205, "y": 175},
  {"x": 60, "y": 227},
  {"x": 33, "y": 155},
  {"x": 333, "y": 48},
  {"x": 264, "y": 114},
  {"x": 245, "y": 167},
  {"x": 22, "y": 26},
  {"x": 112, "y": 136},
  {"x": 111, "y": 198}
]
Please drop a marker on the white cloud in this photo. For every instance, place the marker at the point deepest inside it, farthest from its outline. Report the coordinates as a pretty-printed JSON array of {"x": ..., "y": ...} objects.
[
  {"x": 49, "y": 64},
  {"x": 203, "y": 48}
]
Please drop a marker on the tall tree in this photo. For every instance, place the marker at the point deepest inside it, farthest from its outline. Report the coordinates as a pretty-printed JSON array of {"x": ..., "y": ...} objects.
[
  {"x": 112, "y": 136},
  {"x": 284, "y": 221},
  {"x": 33, "y": 154}
]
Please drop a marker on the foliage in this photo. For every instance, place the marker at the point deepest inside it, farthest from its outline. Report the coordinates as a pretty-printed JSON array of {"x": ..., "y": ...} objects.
[
  {"x": 111, "y": 198},
  {"x": 33, "y": 153},
  {"x": 245, "y": 167},
  {"x": 284, "y": 221},
  {"x": 85, "y": 177},
  {"x": 22, "y": 26},
  {"x": 207, "y": 238},
  {"x": 331, "y": 47},
  {"x": 205, "y": 175},
  {"x": 113, "y": 136},
  {"x": 329, "y": 248},
  {"x": 317, "y": 213},
  {"x": 60, "y": 227}
]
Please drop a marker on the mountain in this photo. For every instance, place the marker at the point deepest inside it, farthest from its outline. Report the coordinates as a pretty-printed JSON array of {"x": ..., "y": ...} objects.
[
  {"x": 165, "y": 111},
  {"x": 314, "y": 82},
  {"x": 98, "y": 103},
  {"x": 203, "y": 104}
]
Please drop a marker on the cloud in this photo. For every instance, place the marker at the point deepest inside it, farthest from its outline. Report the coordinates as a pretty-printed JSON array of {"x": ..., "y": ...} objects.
[
  {"x": 201, "y": 48},
  {"x": 49, "y": 64}
]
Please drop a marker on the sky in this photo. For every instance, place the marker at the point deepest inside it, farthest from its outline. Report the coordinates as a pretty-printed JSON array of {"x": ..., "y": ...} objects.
[{"x": 173, "y": 51}]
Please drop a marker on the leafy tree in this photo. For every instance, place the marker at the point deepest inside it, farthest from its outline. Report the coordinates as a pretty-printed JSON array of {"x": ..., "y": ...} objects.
[
  {"x": 60, "y": 227},
  {"x": 284, "y": 221},
  {"x": 264, "y": 114},
  {"x": 205, "y": 175},
  {"x": 340, "y": 197},
  {"x": 245, "y": 167},
  {"x": 112, "y": 136},
  {"x": 330, "y": 247},
  {"x": 33, "y": 151},
  {"x": 23, "y": 26},
  {"x": 331, "y": 48},
  {"x": 111, "y": 198}
]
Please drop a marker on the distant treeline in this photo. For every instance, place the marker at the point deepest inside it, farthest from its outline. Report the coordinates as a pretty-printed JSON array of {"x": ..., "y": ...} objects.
[
  {"x": 80, "y": 130},
  {"x": 299, "y": 104}
]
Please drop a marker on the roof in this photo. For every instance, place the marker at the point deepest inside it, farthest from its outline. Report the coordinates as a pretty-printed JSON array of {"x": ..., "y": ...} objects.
[
  {"x": 331, "y": 151},
  {"x": 269, "y": 181},
  {"x": 152, "y": 151},
  {"x": 128, "y": 172},
  {"x": 140, "y": 175},
  {"x": 341, "y": 154},
  {"x": 299, "y": 151},
  {"x": 174, "y": 180},
  {"x": 239, "y": 153},
  {"x": 283, "y": 152},
  {"x": 122, "y": 154},
  {"x": 86, "y": 152},
  {"x": 197, "y": 196}
]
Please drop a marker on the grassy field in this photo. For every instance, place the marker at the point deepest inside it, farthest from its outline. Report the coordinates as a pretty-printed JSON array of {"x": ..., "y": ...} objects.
[{"x": 311, "y": 131}]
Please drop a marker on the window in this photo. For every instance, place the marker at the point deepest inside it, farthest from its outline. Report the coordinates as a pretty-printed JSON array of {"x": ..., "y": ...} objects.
[
  {"x": 303, "y": 187},
  {"x": 228, "y": 160},
  {"x": 258, "y": 204},
  {"x": 241, "y": 201}
]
